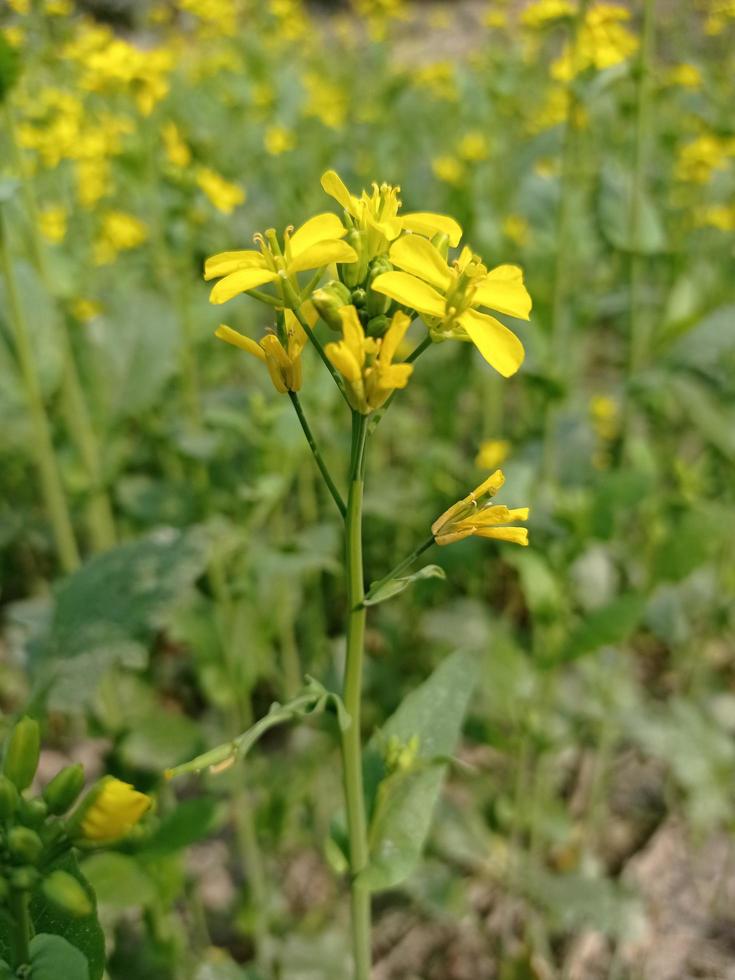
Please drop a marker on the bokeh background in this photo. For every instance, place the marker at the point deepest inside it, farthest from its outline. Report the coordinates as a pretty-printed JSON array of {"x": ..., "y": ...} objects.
[{"x": 169, "y": 562}]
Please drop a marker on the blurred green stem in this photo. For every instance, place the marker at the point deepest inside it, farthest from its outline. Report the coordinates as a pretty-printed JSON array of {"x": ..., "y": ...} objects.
[
  {"x": 352, "y": 697},
  {"x": 100, "y": 521},
  {"x": 22, "y": 932},
  {"x": 639, "y": 339},
  {"x": 51, "y": 485},
  {"x": 336, "y": 495}
]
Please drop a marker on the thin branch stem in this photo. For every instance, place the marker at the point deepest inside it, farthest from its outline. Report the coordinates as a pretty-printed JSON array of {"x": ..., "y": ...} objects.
[
  {"x": 336, "y": 495},
  {"x": 322, "y": 353},
  {"x": 404, "y": 565}
]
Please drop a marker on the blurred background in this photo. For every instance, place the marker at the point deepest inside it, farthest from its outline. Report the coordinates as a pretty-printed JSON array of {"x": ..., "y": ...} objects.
[{"x": 169, "y": 563}]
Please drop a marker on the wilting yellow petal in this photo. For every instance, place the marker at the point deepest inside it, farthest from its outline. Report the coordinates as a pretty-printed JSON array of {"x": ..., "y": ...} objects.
[
  {"x": 317, "y": 229},
  {"x": 393, "y": 336},
  {"x": 231, "y": 336},
  {"x": 333, "y": 185},
  {"x": 516, "y": 535},
  {"x": 296, "y": 334},
  {"x": 429, "y": 224},
  {"x": 490, "y": 486},
  {"x": 488, "y": 517},
  {"x": 417, "y": 256},
  {"x": 227, "y": 262},
  {"x": 503, "y": 290},
  {"x": 344, "y": 360},
  {"x": 451, "y": 536},
  {"x": 354, "y": 335},
  {"x": 498, "y": 345},
  {"x": 322, "y": 253},
  {"x": 410, "y": 291},
  {"x": 395, "y": 376},
  {"x": 240, "y": 282},
  {"x": 277, "y": 361}
]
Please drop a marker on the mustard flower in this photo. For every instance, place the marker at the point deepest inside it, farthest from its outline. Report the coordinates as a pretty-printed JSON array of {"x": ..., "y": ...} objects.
[
  {"x": 376, "y": 214},
  {"x": 111, "y": 810},
  {"x": 366, "y": 363},
  {"x": 314, "y": 245},
  {"x": 224, "y": 195},
  {"x": 446, "y": 297},
  {"x": 283, "y": 361},
  {"x": 475, "y": 515}
]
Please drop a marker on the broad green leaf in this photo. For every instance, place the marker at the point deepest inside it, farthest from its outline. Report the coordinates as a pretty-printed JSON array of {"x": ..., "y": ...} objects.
[
  {"x": 606, "y": 626},
  {"x": 401, "y": 803},
  {"x": 189, "y": 822},
  {"x": 394, "y": 586},
  {"x": 614, "y": 210},
  {"x": 53, "y": 958},
  {"x": 118, "y": 880}
]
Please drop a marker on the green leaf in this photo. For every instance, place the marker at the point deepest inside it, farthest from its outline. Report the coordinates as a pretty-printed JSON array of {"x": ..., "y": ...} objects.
[
  {"x": 53, "y": 958},
  {"x": 614, "y": 210},
  {"x": 383, "y": 590},
  {"x": 109, "y": 611},
  {"x": 119, "y": 881},
  {"x": 609, "y": 625},
  {"x": 160, "y": 741},
  {"x": 401, "y": 803},
  {"x": 696, "y": 536},
  {"x": 189, "y": 822}
]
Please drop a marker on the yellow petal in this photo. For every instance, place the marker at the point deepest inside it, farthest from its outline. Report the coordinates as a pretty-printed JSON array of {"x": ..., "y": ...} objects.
[
  {"x": 498, "y": 345},
  {"x": 320, "y": 254},
  {"x": 316, "y": 229},
  {"x": 451, "y": 536},
  {"x": 332, "y": 184},
  {"x": 516, "y": 535},
  {"x": 393, "y": 336},
  {"x": 231, "y": 336},
  {"x": 488, "y": 487},
  {"x": 296, "y": 334},
  {"x": 240, "y": 282},
  {"x": 503, "y": 290},
  {"x": 429, "y": 224},
  {"x": 395, "y": 376},
  {"x": 410, "y": 291},
  {"x": 417, "y": 255},
  {"x": 488, "y": 517},
  {"x": 354, "y": 335},
  {"x": 344, "y": 360},
  {"x": 227, "y": 262}
]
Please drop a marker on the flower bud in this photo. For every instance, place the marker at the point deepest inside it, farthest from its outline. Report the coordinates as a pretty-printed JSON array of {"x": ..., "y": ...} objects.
[
  {"x": 377, "y": 303},
  {"x": 32, "y": 812},
  {"x": 354, "y": 273},
  {"x": 64, "y": 789},
  {"x": 109, "y": 811},
  {"x": 24, "y": 845},
  {"x": 21, "y": 753},
  {"x": 67, "y": 893},
  {"x": 8, "y": 798},
  {"x": 377, "y": 326},
  {"x": 329, "y": 300},
  {"x": 24, "y": 879}
]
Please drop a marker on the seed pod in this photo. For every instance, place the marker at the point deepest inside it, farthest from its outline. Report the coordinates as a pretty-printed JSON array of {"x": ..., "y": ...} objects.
[
  {"x": 21, "y": 753},
  {"x": 24, "y": 845},
  {"x": 64, "y": 789},
  {"x": 8, "y": 798},
  {"x": 67, "y": 893}
]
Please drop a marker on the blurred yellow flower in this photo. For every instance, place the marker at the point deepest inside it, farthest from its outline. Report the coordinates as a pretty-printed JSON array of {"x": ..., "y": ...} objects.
[
  {"x": 366, "y": 363},
  {"x": 278, "y": 139},
  {"x": 493, "y": 452},
  {"x": 685, "y": 76},
  {"x": 22, "y": 7},
  {"x": 602, "y": 41},
  {"x": 446, "y": 297},
  {"x": 475, "y": 515},
  {"x": 15, "y": 35},
  {"x": 544, "y": 12},
  {"x": 177, "y": 150},
  {"x": 120, "y": 232},
  {"x": 283, "y": 359},
  {"x": 52, "y": 223},
  {"x": 439, "y": 79},
  {"x": 224, "y": 195},
  {"x": 93, "y": 181},
  {"x": 325, "y": 100},
  {"x": 720, "y": 216},
  {"x": 111, "y": 810},
  {"x": 516, "y": 229},
  {"x": 448, "y": 168},
  {"x": 473, "y": 146},
  {"x": 605, "y": 414},
  {"x": 697, "y": 160},
  {"x": 85, "y": 310},
  {"x": 58, "y": 8}
]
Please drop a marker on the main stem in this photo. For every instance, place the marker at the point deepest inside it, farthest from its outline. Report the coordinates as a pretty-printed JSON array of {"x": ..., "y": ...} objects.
[{"x": 352, "y": 697}]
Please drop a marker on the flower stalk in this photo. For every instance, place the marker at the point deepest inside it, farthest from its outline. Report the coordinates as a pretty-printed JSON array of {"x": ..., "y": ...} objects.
[{"x": 318, "y": 458}]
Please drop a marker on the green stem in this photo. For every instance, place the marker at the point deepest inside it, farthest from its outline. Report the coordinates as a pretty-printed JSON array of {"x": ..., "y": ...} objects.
[
  {"x": 405, "y": 564},
  {"x": 22, "y": 932},
  {"x": 352, "y": 696},
  {"x": 51, "y": 485},
  {"x": 336, "y": 495},
  {"x": 320, "y": 350},
  {"x": 639, "y": 339}
]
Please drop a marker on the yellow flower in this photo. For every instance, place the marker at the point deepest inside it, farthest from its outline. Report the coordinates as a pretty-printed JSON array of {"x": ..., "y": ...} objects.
[
  {"x": 699, "y": 159},
  {"x": 376, "y": 215},
  {"x": 685, "y": 75},
  {"x": 492, "y": 453},
  {"x": 278, "y": 140},
  {"x": 224, "y": 195},
  {"x": 544, "y": 12},
  {"x": 283, "y": 363},
  {"x": 111, "y": 810},
  {"x": 325, "y": 100},
  {"x": 177, "y": 150},
  {"x": 602, "y": 41},
  {"x": 366, "y": 363},
  {"x": 52, "y": 222},
  {"x": 58, "y": 8},
  {"x": 446, "y": 297},
  {"x": 475, "y": 515},
  {"x": 515, "y": 228},
  {"x": 448, "y": 168},
  {"x": 720, "y": 216},
  {"x": 313, "y": 246},
  {"x": 85, "y": 309},
  {"x": 93, "y": 182},
  {"x": 473, "y": 147},
  {"x": 120, "y": 232}
]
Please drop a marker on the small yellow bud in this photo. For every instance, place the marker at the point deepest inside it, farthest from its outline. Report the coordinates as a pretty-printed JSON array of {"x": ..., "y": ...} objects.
[{"x": 110, "y": 810}]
